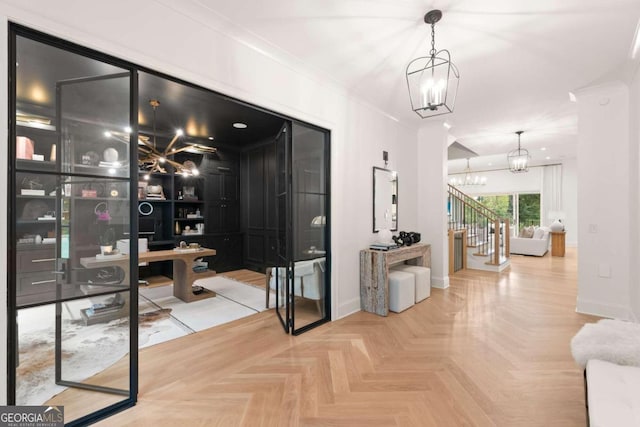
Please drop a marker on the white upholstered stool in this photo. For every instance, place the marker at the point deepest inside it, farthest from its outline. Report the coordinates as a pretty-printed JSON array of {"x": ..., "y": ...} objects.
[
  {"x": 402, "y": 290},
  {"x": 422, "y": 276}
]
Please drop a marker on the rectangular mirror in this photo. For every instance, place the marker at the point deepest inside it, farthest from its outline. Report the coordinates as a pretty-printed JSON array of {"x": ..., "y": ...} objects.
[{"x": 385, "y": 199}]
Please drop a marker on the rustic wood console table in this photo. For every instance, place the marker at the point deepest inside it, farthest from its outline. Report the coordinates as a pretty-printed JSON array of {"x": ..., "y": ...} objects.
[{"x": 374, "y": 273}]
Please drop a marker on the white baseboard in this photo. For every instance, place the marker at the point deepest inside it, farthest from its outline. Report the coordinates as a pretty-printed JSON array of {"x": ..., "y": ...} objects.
[
  {"x": 612, "y": 311},
  {"x": 348, "y": 308},
  {"x": 440, "y": 282}
]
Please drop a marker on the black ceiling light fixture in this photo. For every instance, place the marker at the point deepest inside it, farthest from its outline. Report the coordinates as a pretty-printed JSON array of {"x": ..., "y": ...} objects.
[
  {"x": 519, "y": 159},
  {"x": 433, "y": 80}
]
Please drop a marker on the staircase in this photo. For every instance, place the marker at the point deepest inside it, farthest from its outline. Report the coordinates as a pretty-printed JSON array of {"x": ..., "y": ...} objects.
[{"x": 486, "y": 234}]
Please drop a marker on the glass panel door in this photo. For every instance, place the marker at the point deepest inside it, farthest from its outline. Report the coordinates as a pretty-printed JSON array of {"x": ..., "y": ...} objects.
[
  {"x": 283, "y": 214},
  {"x": 310, "y": 233},
  {"x": 70, "y": 289}
]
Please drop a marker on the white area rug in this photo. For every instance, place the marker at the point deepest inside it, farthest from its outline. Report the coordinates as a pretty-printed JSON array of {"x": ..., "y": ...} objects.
[
  {"x": 198, "y": 315},
  {"x": 88, "y": 350},
  {"x": 247, "y": 295}
]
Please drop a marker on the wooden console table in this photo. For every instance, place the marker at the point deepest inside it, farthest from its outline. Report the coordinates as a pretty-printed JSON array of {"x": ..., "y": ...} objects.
[
  {"x": 557, "y": 243},
  {"x": 183, "y": 274},
  {"x": 374, "y": 273}
]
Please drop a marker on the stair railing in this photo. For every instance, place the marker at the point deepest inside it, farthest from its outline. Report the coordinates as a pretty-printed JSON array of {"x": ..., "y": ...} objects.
[{"x": 487, "y": 231}]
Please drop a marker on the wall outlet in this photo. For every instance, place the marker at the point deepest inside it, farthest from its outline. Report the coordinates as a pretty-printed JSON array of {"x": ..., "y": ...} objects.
[
  {"x": 593, "y": 228},
  {"x": 604, "y": 270}
]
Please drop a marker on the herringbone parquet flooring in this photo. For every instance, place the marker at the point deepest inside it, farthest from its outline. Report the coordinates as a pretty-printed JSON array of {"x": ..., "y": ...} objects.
[{"x": 490, "y": 350}]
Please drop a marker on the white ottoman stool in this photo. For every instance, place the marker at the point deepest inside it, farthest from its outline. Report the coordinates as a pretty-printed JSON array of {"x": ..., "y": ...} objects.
[
  {"x": 423, "y": 279},
  {"x": 402, "y": 290}
]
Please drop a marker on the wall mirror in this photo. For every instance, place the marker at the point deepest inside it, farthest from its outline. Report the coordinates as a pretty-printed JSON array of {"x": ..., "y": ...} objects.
[{"x": 385, "y": 199}]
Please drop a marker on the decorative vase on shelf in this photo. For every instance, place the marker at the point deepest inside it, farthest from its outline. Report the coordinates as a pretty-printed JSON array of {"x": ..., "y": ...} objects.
[
  {"x": 178, "y": 231},
  {"x": 557, "y": 226}
]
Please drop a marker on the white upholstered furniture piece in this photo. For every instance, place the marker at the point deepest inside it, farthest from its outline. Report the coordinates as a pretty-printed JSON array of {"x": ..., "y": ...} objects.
[
  {"x": 613, "y": 394},
  {"x": 538, "y": 245},
  {"x": 422, "y": 276},
  {"x": 609, "y": 350},
  {"x": 308, "y": 280},
  {"x": 402, "y": 290}
]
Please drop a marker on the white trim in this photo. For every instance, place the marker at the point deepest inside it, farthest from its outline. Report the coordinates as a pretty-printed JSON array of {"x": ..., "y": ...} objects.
[
  {"x": 348, "y": 308},
  {"x": 440, "y": 282},
  {"x": 595, "y": 308}
]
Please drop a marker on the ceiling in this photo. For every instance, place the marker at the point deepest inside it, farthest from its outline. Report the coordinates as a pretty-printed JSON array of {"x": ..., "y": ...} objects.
[
  {"x": 518, "y": 60},
  {"x": 200, "y": 113}
]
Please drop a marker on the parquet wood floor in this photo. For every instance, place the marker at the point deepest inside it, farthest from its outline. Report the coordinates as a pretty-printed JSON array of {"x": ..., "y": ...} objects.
[{"x": 492, "y": 350}]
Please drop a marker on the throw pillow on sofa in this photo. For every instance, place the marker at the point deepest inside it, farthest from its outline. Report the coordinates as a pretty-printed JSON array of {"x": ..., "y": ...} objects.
[
  {"x": 526, "y": 232},
  {"x": 538, "y": 233}
]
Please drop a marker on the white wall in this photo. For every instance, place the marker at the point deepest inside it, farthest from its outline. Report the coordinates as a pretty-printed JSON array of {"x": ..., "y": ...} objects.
[
  {"x": 605, "y": 201},
  {"x": 504, "y": 182},
  {"x": 216, "y": 54},
  {"x": 432, "y": 198},
  {"x": 570, "y": 200},
  {"x": 634, "y": 177}
]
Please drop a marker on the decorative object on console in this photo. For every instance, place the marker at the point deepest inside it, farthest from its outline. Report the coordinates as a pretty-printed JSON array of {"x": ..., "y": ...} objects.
[
  {"x": 406, "y": 238},
  {"x": 385, "y": 236},
  {"x": 557, "y": 217},
  {"x": 519, "y": 159},
  {"x": 432, "y": 80},
  {"x": 152, "y": 159}
]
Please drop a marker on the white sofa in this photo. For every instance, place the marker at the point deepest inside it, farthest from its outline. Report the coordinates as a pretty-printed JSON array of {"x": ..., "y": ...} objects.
[{"x": 538, "y": 245}]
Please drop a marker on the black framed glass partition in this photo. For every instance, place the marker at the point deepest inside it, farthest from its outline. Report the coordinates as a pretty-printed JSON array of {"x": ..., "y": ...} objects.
[
  {"x": 303, "y": 196},
  {"x": 73, "y": 117}
]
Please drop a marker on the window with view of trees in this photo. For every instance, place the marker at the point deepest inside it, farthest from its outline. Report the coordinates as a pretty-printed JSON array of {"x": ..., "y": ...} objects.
[
  {"x": 521, "y": 209},
  {"x": 528, "y": 209}
]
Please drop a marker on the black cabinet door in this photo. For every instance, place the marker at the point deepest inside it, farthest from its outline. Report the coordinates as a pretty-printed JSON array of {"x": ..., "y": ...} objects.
[
  {"x": 222, "y": 186},
  {"x": 222, "y": 217},
  {"x": 228, "y": 252}
]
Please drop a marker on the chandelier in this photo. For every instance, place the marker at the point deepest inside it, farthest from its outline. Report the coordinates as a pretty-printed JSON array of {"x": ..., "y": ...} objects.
[
  {"x": 432, "y": 80},
  {"x": 151, "y": 159},
  {"x": 469, "y": 179},
  {"x": 519, "y": 159}
]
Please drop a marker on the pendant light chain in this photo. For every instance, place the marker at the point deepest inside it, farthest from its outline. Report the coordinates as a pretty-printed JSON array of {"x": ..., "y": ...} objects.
[{"x": 433, "y": 40}]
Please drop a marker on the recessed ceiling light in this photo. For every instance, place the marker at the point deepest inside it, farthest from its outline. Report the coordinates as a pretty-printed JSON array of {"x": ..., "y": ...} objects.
[
  {"x": 179, "y": 132},
  {"x": 447, "y": 125},
  {"x": 548, "y": 157},
  {"x": 490, "y": 164},
  {"x": 210, "y": 138},
  {"x": 239, "y": 125},
  {"x": 543, "y": 149}
]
